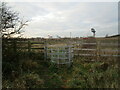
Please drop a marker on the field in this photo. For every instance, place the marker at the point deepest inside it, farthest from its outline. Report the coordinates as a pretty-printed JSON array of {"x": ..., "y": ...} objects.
[{"x": 29, "y": 68}]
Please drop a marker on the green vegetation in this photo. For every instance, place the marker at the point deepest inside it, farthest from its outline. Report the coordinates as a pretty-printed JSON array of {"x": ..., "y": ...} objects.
[
  {"x": 80, "y": 75},
  {"x": 29, "y": 70}
]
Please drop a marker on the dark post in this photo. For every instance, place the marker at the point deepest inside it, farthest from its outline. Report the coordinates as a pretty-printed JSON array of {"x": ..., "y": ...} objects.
[
  {"x": 29, "y": 47},
  {"x": 45, "y": 50},
  {"x": 14, "y": 45}
]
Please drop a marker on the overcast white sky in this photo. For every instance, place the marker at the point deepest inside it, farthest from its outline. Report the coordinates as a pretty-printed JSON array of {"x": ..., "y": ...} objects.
[{"x": 61, "y": 18}]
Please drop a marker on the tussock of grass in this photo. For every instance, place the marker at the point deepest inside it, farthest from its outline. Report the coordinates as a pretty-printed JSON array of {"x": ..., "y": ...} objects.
[{"x": 80, "y": 75}]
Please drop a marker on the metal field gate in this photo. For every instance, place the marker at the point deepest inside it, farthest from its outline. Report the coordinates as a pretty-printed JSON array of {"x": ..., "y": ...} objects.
[{"x": 60, "y": 55}]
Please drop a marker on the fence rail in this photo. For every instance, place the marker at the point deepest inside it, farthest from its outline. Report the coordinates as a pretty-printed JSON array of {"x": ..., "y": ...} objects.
[
  {"x": 24, "y": 44},
  {"x": 100, "y": 49},
  {"x": 65, "y": 54}
]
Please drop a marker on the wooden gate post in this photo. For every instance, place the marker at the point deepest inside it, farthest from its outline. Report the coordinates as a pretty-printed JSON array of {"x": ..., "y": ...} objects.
[
  {"x": 58, "y": 58},
  {"x": 15, "y": 46},
  {"x": 45, "y": 50},
  {"x": 98, "y": 50},
  {"x": 29, "y": 47}
]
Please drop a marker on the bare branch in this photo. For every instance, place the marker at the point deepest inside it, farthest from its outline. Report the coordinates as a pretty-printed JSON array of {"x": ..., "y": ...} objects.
[{"x": 10, "y": 22}]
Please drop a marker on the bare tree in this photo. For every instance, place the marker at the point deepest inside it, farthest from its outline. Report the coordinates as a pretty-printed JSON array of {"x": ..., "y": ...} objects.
[{"x": 10, "y": 23}]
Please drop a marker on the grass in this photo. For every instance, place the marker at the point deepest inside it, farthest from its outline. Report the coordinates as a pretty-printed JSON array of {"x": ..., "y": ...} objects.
[
  {"x": 80, "y": 75},
  {"x": 31, "y": 71}
]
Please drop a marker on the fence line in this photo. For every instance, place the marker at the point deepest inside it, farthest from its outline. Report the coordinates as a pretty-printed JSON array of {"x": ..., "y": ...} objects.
[
  {"x": 98, "y": 49},
  {"x": 64, "y": 54},
  {"x": 24, "y": 45}
]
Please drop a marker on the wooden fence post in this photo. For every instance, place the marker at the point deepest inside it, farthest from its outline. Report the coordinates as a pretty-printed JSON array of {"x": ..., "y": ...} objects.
[
  {"x": 50, "y": 52},
  {"x": 45, "y": 50},
  {"x": 98, "y": 50},
  {"x": 58, "y": 51},
  {"x": 29, "y": 46},
  {"x": 14, "y": 46},
  {"x": 69, "y": 56}
]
